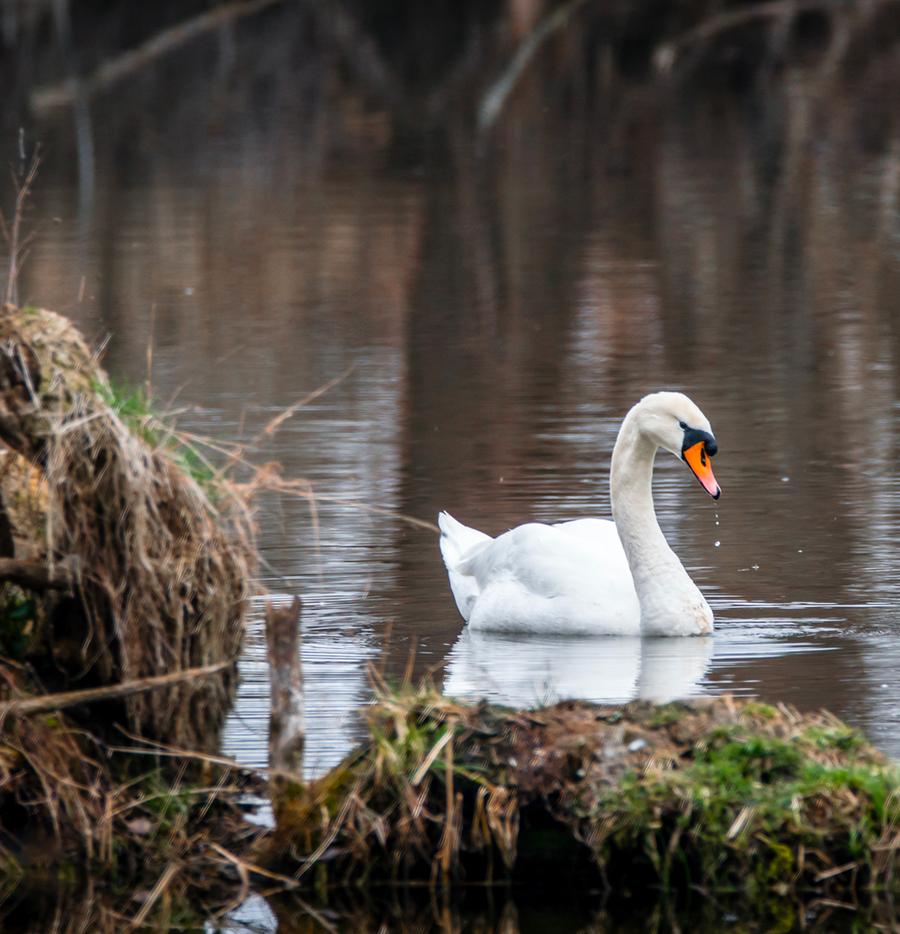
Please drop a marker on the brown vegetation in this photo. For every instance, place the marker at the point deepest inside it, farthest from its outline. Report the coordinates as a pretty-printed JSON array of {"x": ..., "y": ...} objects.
[
  {"x": 123, "y": 581},
  {"x": 158, "y": 574}
]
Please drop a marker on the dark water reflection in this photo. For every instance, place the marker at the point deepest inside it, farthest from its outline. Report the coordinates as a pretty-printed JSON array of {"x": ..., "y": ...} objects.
[
  {"x": 502, "y": 300},
  {"x": 476, "y": 909}
]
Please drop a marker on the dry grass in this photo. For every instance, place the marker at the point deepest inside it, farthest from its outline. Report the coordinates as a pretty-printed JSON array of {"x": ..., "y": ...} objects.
[
  {"x": 148, "y": 630},
  {"x": 162, "y": 573},
  {"x": 71, "y": 805}
]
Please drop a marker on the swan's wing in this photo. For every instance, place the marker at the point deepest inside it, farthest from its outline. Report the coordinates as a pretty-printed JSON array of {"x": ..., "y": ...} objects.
[
  {"x": 583, "y": 557},
  {"x": 573, "y": 577}
]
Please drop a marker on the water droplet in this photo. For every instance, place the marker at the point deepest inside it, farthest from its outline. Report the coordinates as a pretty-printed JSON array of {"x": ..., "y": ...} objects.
[
  {"x": 785, "y": 479},
  {"x": 188, "y": 291},
  {"x": 755, "y": 567},
  {"x": 799, "y": 551},
  {"x": 718, "y": 543},
  {"x": 717, "y": 521}
]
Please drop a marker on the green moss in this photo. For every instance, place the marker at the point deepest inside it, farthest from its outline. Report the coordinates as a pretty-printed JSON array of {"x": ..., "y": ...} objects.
[
  {"x": 666, "y": 714},
  {"x": 18, "y": 612},
  {"x": 754, "y": 800},
  {"x": 134, "y": 408},
  {"x": 758, "y": 709},
  {"x": 839, "y": 737}
]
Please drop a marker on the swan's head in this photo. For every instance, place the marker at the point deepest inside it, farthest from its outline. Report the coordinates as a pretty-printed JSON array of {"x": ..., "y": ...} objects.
[{"x": 671, "y": 421}]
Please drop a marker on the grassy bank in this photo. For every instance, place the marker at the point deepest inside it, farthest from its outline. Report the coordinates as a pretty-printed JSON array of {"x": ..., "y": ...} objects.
[
  {"x": 695, "y": 811},
  {"x": 722, "y": 795}
]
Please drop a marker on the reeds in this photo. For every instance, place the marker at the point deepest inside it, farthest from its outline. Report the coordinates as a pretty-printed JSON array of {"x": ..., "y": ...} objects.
[{"x": 72, "y": 804}]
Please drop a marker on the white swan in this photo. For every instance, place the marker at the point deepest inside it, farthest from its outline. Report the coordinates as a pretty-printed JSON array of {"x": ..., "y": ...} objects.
[{"x": 593, "y": 576}]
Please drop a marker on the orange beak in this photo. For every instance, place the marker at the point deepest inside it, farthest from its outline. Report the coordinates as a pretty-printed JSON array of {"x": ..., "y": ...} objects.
[{"x": 701, "y": 464}]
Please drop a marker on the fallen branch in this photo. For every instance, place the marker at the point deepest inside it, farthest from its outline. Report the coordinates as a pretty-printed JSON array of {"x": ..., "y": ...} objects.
[
  {"x": 64, "y": 699},
  {"x": 113, "y": 71},
  {"x": 668, "y": 52},
  {"x": 493, "y": 101},
  {"x": 250, "y": 867},
  {"x": 36, "y": 575}
]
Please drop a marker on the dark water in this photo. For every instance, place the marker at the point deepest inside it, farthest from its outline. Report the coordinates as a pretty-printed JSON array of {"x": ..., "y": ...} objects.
[{"x": 490, "y": 305}]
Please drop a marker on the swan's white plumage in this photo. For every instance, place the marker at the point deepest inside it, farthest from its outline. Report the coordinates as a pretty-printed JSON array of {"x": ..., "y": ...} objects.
[
  {"x": 589, "y": 576},
  {"x": 567, "y": 578}
]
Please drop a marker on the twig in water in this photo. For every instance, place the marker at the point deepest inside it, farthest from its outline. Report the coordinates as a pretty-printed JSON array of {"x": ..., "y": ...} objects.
[
  {"x": 292, "y": 410},
  {"x": 12, "y": 232},
  {"x": 249, "y": 867},
  {"x": 164, "y": 881}
]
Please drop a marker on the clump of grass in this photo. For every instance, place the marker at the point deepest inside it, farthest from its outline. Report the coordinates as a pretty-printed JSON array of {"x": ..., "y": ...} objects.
[
  {"x": 137, "y": 410},
  {"x": 777, "y": 808},
  {"x": 724, "y": 795},
  {"x": 161, "y": 573}
]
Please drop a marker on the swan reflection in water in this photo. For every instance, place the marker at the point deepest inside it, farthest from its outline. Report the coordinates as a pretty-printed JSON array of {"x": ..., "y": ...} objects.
[{"x": 524, "y": 671}]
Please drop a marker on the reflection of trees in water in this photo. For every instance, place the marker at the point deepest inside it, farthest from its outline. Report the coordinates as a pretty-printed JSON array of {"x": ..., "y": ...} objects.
[
  {"x": 320, "y": 184},
  {"x": 422, "y": 61},
  {"x": 534, "y": 906}
]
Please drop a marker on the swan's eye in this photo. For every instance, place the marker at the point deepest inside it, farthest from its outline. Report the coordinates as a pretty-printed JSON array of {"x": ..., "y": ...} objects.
[{"x": 682, "y": 426}]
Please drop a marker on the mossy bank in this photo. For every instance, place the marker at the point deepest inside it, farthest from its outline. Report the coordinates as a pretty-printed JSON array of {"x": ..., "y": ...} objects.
[{"x": 719, "y": 794}]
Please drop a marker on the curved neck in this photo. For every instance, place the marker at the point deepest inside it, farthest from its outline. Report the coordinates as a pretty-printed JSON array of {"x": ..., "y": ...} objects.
[{"x": 666, "y": 593}]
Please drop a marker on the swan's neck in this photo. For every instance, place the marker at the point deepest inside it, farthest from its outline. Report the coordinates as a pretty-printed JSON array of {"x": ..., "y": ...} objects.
[{"x": 670, "y": 602}]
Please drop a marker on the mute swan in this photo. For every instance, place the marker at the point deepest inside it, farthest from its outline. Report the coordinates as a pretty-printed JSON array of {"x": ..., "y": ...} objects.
[{"x": 593, "y": 576}]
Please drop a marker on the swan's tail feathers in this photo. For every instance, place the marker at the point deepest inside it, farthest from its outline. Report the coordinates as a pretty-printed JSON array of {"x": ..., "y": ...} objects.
[
  {"x": 457, "y": 539},
  {"x": 457, "y": 543}
]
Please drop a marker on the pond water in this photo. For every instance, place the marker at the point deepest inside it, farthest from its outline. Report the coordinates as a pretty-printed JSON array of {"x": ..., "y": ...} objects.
[{"x": 483, "y": 310}]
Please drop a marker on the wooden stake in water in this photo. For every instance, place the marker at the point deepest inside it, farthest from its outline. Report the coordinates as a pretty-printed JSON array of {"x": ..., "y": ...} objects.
[{"x": 286, "y": 679}]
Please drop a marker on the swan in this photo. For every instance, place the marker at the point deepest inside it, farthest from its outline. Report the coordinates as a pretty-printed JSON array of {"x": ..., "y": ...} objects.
[{"x": 594, "y": 576}]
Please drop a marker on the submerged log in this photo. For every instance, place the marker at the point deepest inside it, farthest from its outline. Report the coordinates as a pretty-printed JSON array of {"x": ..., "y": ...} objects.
[
  {"x": 716, "y": 795},
  {"x": 132, "y": 571}
]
